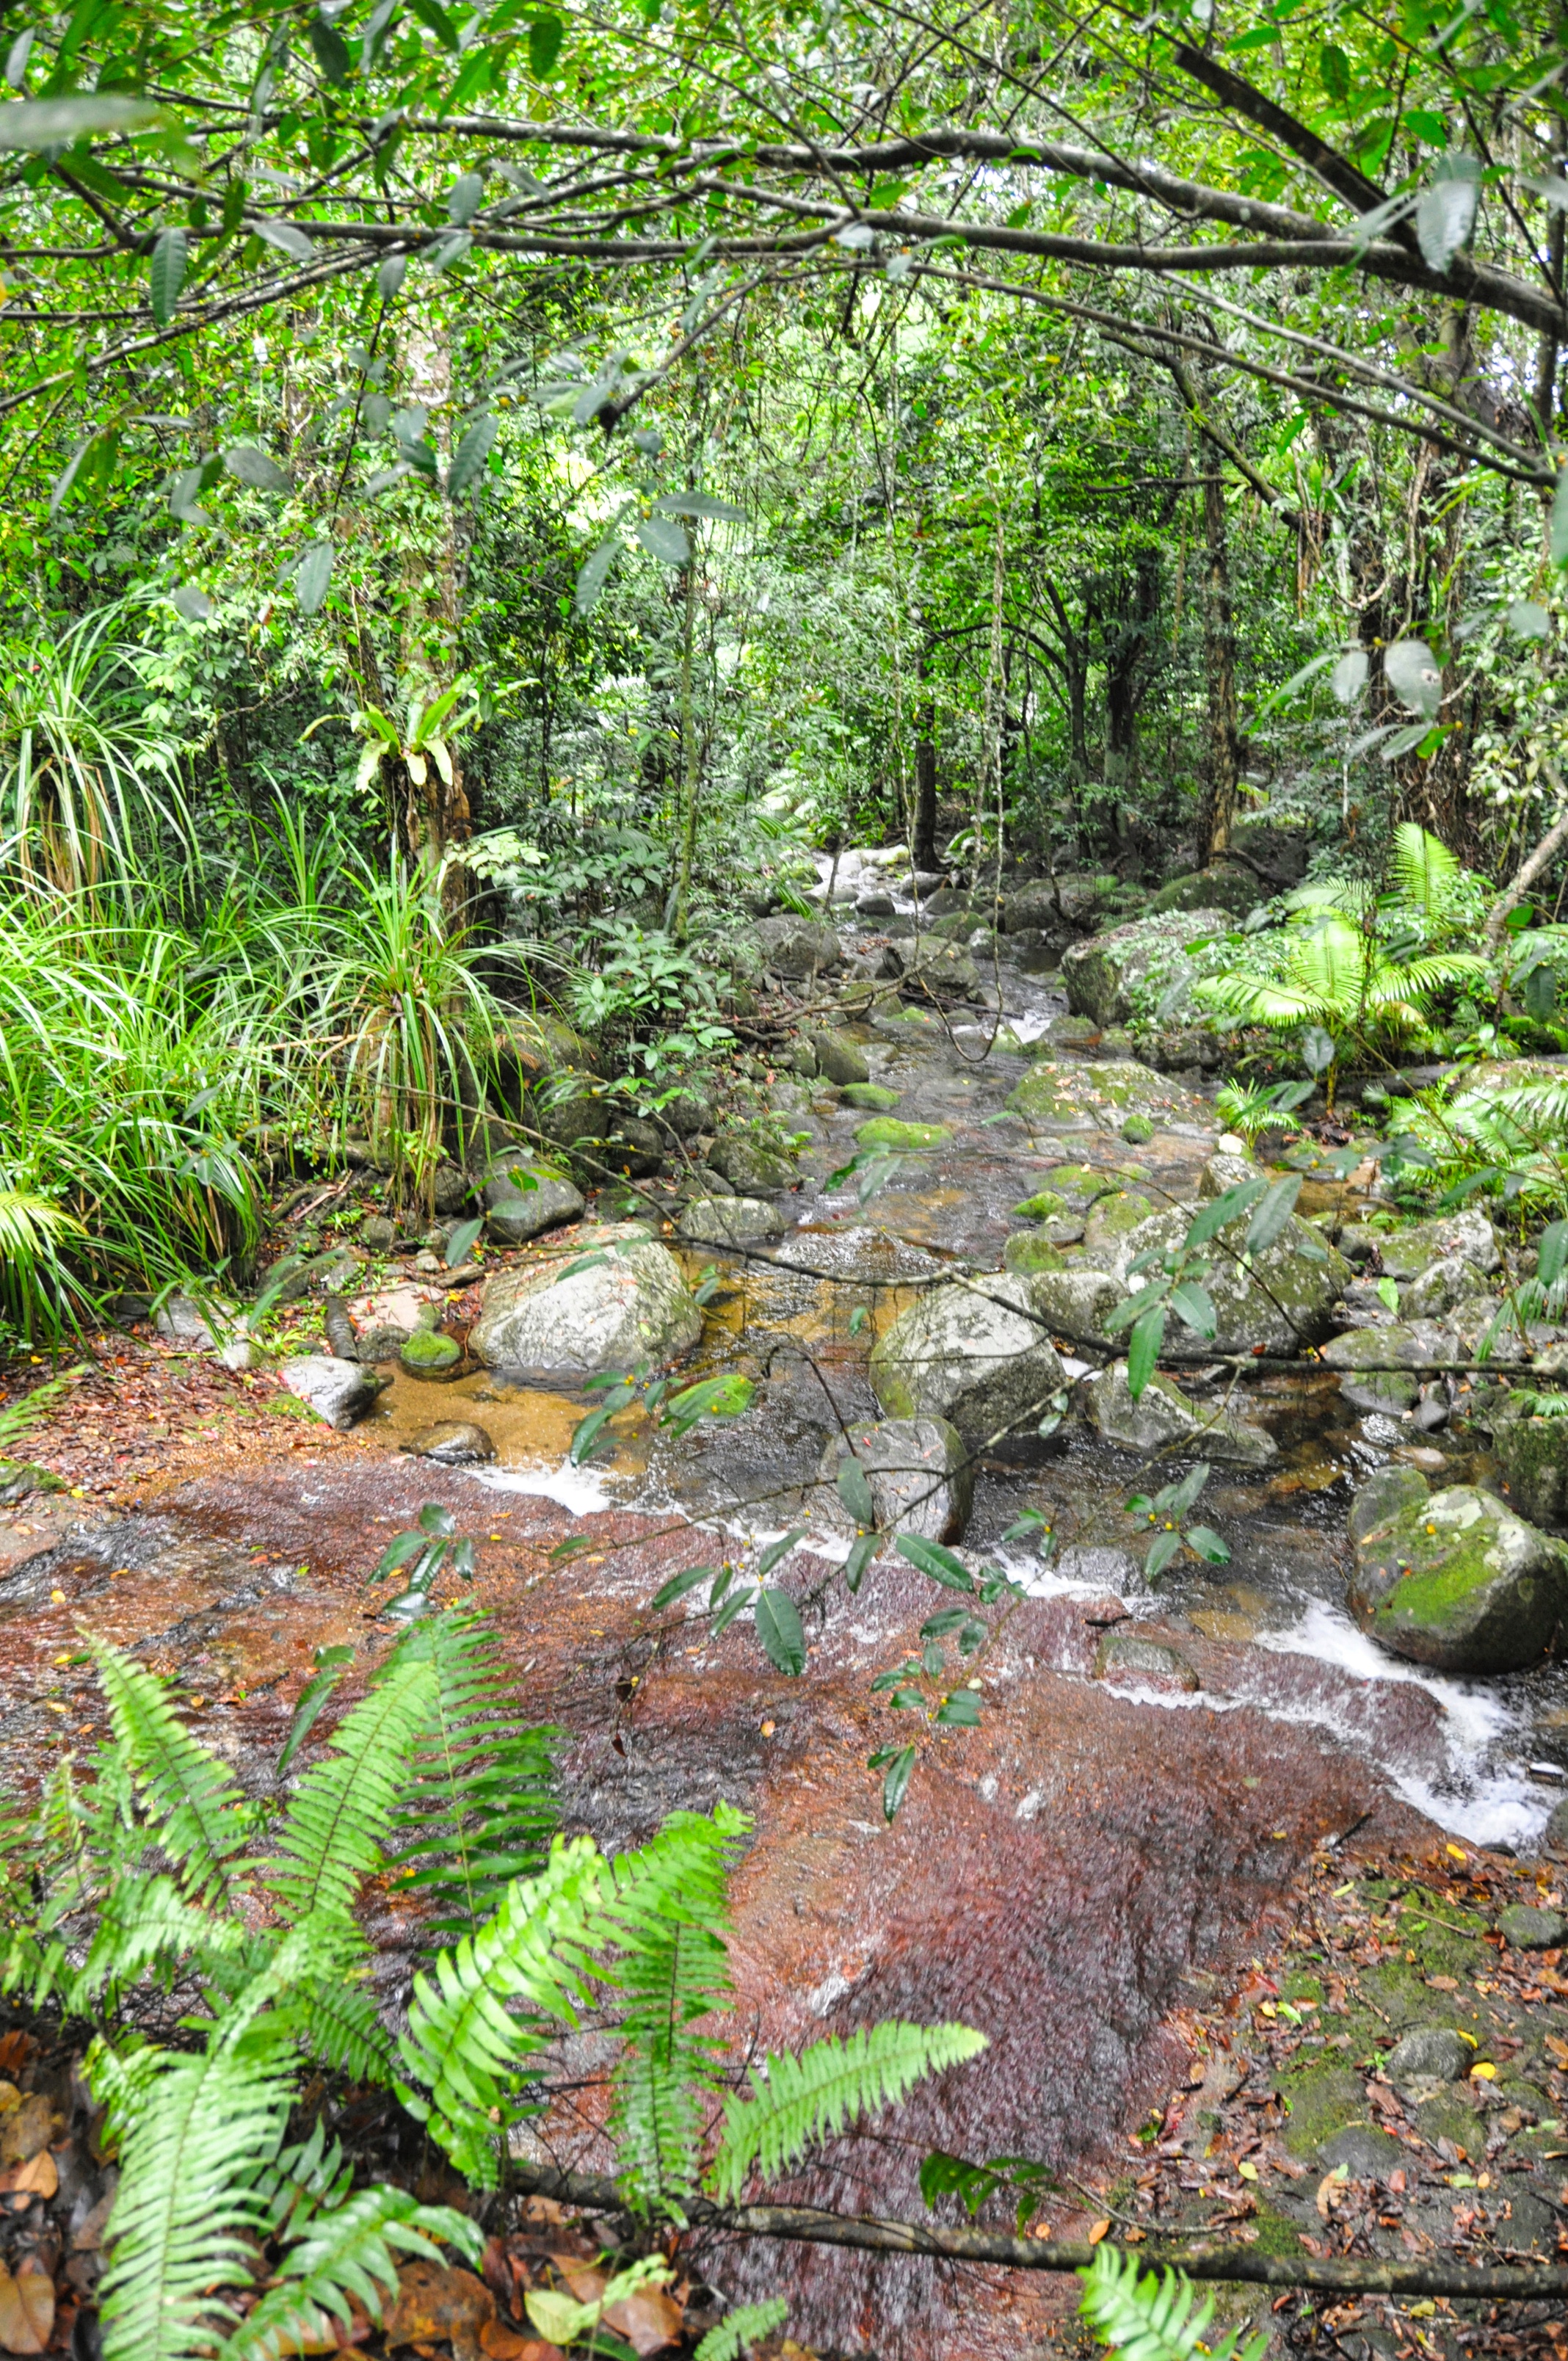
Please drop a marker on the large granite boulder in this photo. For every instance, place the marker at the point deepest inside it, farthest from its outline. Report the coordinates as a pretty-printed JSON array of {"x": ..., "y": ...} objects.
[
  {"x": 1280, "y": 1303},
  {"x": 1102, "y": 974},
  {"x": 1532, "y": 1453},
  {"x": 1456, "y": 1581},
  {"x": 934, "y": 969},
  {"x": 1364, "y": 1355},
  {"x": 919, "y": 1473},
  {"x": 616, "y": 1305},
  {"x": 796, "y": 947},
  {"x": 978, "y": 1355},
  {"x": 338, "y": 1391},
  {"x": 1075, "y": 1304},
  {"x": 1225, "y": 886},
  {"x": 1408, "y": 1254},
  {"x": 838, "y": 1060},
  {"x": 1072, "y": 1096},
  {"x": 1163, "y": 1417}
]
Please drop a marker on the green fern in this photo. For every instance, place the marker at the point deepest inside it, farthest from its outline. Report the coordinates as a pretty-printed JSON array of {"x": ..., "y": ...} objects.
[
  {"x": 343, "y": 1811},
  {"x": 1154, "y": 2319},
  {"x": 203, "y": 1819},
  {"x": 745, "y": 2326},
  {"x": 1425, "y": 869},
  {"x": 341, "y": 2252},
  {"x": 477, "y": 1806},
  {"x": 805, "y": 2100}
]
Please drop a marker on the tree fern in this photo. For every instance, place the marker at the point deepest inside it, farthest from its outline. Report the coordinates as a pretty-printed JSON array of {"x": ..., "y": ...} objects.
[
  {"x": 477, "y": 1805},
  {"x": 813, "y": 2097},
  {"x": 740, "y": 2328},
  {"x": 194, "y": 2134},
  {"x": 1155, "y": 2319},
  {"x": 342, "y": 1813},
  {"x": 202, "y": 1817}
]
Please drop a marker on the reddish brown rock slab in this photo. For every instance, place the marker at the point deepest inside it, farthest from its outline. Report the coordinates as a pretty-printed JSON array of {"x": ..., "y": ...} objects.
[{"x": 1051, "y": 1877}]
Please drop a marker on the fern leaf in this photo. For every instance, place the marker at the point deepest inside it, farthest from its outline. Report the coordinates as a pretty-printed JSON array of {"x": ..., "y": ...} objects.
[
  {"x": 339, "y": 2024},
  {"x": 1423, "y": 865},
  {"x": 342, "y": 1812},
  {"x": 670, "y": 1971},
  {"x": 202, "y": 1817},
  {"x": 1154, "y": 2319},
  {"x": 347, "y": 2252},
  {"x": 146, "y": 1922},
  {"x": 747, "y": 2325},
  {"x": 195, "y": 2132},
  {"x": 815, "y": 2096},
  {"x": 478, "y": 1807}
]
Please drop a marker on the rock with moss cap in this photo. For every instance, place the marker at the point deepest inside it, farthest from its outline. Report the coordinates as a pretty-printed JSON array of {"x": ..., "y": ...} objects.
[
  {"x": 978, "y": 1355},
  {"x": 1459, "y": 1583},
  {"x": 1280, "y": 1301},
  {"x": 752, "y": 1167},
  {"x": 427, "y": 1352},
  {"x": 1112, "y": 1218},
  {"x": 1061, "y": 1097},
  {"x": 838, "y": 1060},
  {"x": 1532, "y": 1452},
  {"x": 874, "y": 1096},
  {"x": 887, "y": 1132},
  {"x": 730, "y": 1222},
  {"x": 1409, "y": 1253},
  {"x": 1072, "y": 1188},
  {"x": 1104, "y": 974}
]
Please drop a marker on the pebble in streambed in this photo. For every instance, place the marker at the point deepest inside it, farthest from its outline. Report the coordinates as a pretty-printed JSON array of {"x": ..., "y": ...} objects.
[{"x": 452, "y": 1443}]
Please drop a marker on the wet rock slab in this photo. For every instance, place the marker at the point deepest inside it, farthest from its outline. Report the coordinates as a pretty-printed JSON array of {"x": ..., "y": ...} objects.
[{"x": 1051, "y": 1877}]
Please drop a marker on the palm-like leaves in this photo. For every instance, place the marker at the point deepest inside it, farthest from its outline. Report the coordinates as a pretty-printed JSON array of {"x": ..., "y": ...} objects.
[
  {"x": 1338, "y": 976},
  {"x": 332, "y": 1838}
]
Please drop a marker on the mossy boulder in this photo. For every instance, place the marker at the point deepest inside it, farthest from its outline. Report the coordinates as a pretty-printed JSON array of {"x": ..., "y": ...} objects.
[
  {"x": 977, "y": 1355},
  {"x": 1323, "y": 2101},
  {"x": 1532, "y": 1453},
  {"x": 427, "y": 1352},
  {"x": 20, "y": 1477},
  {"x": 522, "y": 1200},
  {"x": 731, "y": 1222},
  {"x": 1225, "y": 886},
  {"x": 1104, "y": 974},
  {"x": 886, "y": 1131},
  {"x": 1281, "y": 1302},
  {"x": 1032, "y": 1250},
  {"x": 1100, "y": 1096},
  {"x": 934, "y": 969},
  {"x": 752, "y": 1167},
  {"x": 919, "y": 1471},
  {"x": 1409, "y": 1253},
  {"x": 1163, "y": 1419},
  {"x": 1112, "y": 1218},
  {"x": 1076, "y": 1302},
  {"x": 840, "y": 1060},
  {"x": 1459, "y": 1583},
  {"x": 1073, "y": 1187},
  {"x": 876, "y": 1096}
]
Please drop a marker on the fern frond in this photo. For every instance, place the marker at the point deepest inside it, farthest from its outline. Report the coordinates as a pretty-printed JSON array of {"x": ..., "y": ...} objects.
[
  {"x": 202, "y": 1817},
  {"x": 339, "y": 1817},
  {"x": 195, "y": 2133},
  {"x": 340, "y": 2026},
  {"x": 1154, "y": 2319},
  {"x": 1425, "y": 868},
  {"x": 146, "y": 1922},
  {"x": 345, "y": 2251},
  {"x": 813, "y": 2097},
  {"x": 478, "y": 1807},
  {"x": 670, "y": 1913},
  {"x": 740, "y": 2328}
]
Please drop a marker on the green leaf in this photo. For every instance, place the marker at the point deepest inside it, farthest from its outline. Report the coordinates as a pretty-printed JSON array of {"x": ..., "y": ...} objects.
[
  {"x": 1551, "y": 1253},
  {"x": 595, "y": 572},
  {"x": 1165, "y": 1548},
  {"x": 431, "y": 13},
  {"x": 698, "y": 504},
  {"x": 436, "y": 1518},
  {"x": 167, "y": 273},
  {"x": 794, "y": 2104},
  {"x": 860, "y": 1557},
  {"x": 959, "y": 1711},
  {"x": 284, "y": 237},
  {"x": 1207, "y": 1543},
  {"x": 1195, "y": 1306},
  {"x": 1180, "y": 1497},
  {"x": 465, "y": 198},
  {"x": 331, "y": 1665},
  {"x": 930, "y": 1558},
  {"x": 677, "y": 1586},
  {"x": 391, "y": 273},
  {"x": 52, "y": 122},
  {"x": 1268, "y": 1222},
  {"x": 469, "y": 460},
  {"x": 776, "y": 1552},
  {"x": 1212, "y": 1218},
  {"x": 779, "y": 1630},
  {"x": 312, "y": 575},
  {"x": 463, "y": 1238},
  {"x": 191, "y": 602},
  {"x": 1143, "y": 1350},
  {"x": 895, "y": 1764},
  {"x": 545, "y": 38},
  {"x": 586, "y": 1433},
  {"x": 664, "y": 540},
  {"x": 1334, "y": 73},
  {"x": 855, "y": 1491},
  {"x": 332, "y": 51},
  {"x": 748, "y": 2324},
  {"x": 247, "y": 465}
]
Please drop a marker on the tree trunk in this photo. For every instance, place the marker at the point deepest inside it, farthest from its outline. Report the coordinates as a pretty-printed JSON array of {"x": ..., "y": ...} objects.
[
  {"x": 925, "y": 815},
  {"x": 1223, "y": 765}
]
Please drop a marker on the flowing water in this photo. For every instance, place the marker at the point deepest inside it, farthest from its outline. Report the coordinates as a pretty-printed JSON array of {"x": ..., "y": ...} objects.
[{"x": 1058, "y": 1876}]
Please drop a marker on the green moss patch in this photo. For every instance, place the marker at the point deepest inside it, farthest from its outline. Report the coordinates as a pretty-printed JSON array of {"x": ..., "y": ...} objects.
[{"x": 883, "y": 1131}]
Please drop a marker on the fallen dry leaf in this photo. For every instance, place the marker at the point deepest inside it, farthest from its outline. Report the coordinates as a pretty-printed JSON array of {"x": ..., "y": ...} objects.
[
  {"x": 26, "y": 2310},
  {"x": 649, "y": 2319},
  {"x": 39, "y": 2177},
  {"x": 585, "y": 2282},
  {"x": 16, "y": 2048},
  {"x": 432, "y": 2302},
  {"x": 1328, "y": 2188},
  {"x": 1098, "y": 2230},
  {"x": 26, "y": 2129},
  {"x": 503, "y": 2344}
]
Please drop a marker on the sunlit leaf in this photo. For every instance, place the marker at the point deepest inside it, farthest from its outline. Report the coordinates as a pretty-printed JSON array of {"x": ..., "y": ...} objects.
[
  {"x": 312, "y": 575},
  {"x": 779, "y": 1630},
  {"x": 165, "y": 273},
  {"x": 249, "y": 464}
]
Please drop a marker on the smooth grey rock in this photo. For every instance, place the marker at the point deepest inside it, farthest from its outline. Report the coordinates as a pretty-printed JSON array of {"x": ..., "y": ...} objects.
[
  {"x": 1526, "y": 1929},
  {"x": 631, "y": 1308},
  {"x": 687, "y": 1112},
  {"x": 1225, "y": 1171},
  {"x": 938, "y": 970},
  {"x": 1163, "y": 1416},
  {"x": 377, "y": 1234},
  {"x": 577, "y": 1116},
  {"x": 1366, "y": 2153},
  {"x": 1129, "y": 1657},
  {"x": 634, "y": 1148},
  {"x": 450, "y": 1190},
  {"x": 513, "y": 1215},
  {"x": 1467, "y": 1233},
  {"x": 1430, "y": 2053},
  {"x": 338, "y": 1391},
  {"x": 181, "y": 1321},
  {"x": 1108, "y": 1569},
  {"x": 971, "y": 1353},
  {"x": 1283, "y": 1300},
  {"x": 452, "y": 1443},
  {"x": 751, "y": 1168},
  {"x": 873, "y": 905},
  {"x": 1408, "y": 1345},
  {"x": 796, "y": 947},
  {"x": 1532, "y": 1453},
  {"x": 1075, "y": 1304},
  {"x": 838, "y": 1060},
  {"x": 240, "y": 1353},
  {"x": 918, "y": 1470},
  {"x": 1458, "y": 1583},
  {"x": 730, "y": 1222},
  {"x": 1441, "y": 1285},
  {"x": 1102, "y": 974},
  {"x": 1391, "y": 1393}
]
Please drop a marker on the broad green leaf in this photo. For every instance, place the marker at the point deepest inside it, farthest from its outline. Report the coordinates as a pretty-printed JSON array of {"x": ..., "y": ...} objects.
[
  {"x": 860, "y": 1557},
  {"x": 1165, "y": 1548},
  {"x": 895, "y": 1764},
  {"x": 285, "y": 238},
  {"x": 1348, "y": 677},
  {"x": 1271, "y": 1216},
  {"x": 53, "y": 122},
  {"x": 585, "y": 1434},
  {"x": 165, "y": 273},
  {"x": 1551, "y": 1253},
  {"x": 1195, "y": 1306},
  {"x": 931, "y": 1558},
  {"x": 595, "y": 573},
  {"x": 332, "y": 50},
  {"x": 1388, "y": 1293},
  {"x": 1413, "y": 672},
  {"x": 249, "y": 464},
  {"x": 677, "y": 1586},
  {"x": 465, "y": 198},
  {"x": 959, "y": 1711},
  {"x": 545, "y": 38},
  {"x": 1212, "y": 1218},
  {"x": 776, "y": 1552},
  {"x": 436, "y": 1518},
  {"x": 1318, "y": 1050},
  {"x": 461, "y": 1244},
  {"x": 431, "y": 13},
  {"x": 331, "y": 1665},
  {"x": 1528, "y": 620},
  {"x": 778, "y": 1629},
  {"x": 1207, "y": 1543},
  {"x": 1143, "y": 1349},
  {"x": 390, "y": 274},
  {"x": 664, "y": 539},
  {"x": 1182, "y": 1496},
  {"x": 698, "y": 504},
  {"x": 469, "y": 460},
  {"x": 855, "y": 1491},
  {"x": 312, "y": 575}
]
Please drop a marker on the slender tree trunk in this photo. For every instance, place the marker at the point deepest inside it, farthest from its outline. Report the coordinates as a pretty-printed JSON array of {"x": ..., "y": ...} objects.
[
  {"x": 925, "y": 846},
  {"x": 1223, "y": 765},
  {"x": 1546, "y": 354},
  {"x": 688, "y": 744}
]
